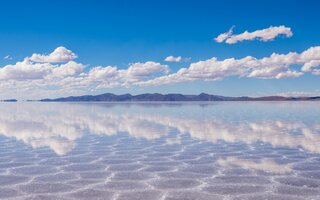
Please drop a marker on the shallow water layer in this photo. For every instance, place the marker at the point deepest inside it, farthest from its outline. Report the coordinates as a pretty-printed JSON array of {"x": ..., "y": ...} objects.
[{"x": 224, "y": 150}]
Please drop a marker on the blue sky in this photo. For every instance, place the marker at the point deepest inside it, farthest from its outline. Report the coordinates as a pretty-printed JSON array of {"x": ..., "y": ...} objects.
[{"x": 120, "y": 33}]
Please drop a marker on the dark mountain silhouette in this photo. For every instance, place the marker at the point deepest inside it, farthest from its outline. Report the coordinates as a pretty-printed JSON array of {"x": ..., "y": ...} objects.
[
  {"x": 173, "y": 97},
  {"x": 9, "y": 100}
]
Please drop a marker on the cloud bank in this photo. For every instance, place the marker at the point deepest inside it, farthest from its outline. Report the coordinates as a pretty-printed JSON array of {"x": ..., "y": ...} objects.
[
  {"x": 276, "y": 66},
  {"x": 58, "y": 74},
  {"x": 264, "y": 35}
]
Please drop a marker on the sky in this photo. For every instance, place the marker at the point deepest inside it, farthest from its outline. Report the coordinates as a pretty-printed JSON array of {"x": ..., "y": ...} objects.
[{"x": 234, "y": 48}]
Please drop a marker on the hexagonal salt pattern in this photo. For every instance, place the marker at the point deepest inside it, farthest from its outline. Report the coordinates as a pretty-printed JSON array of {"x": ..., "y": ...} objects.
[{"x": 170, "y": 151}]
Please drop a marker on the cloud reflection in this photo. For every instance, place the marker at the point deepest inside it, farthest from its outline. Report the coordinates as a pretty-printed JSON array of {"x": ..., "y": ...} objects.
[
  {"x": 58, "y": 126},
  {"x": 266, "y": 165}
]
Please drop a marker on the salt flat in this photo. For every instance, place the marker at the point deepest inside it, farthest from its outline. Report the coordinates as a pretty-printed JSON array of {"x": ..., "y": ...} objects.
[{"x": 223, "y": 150}]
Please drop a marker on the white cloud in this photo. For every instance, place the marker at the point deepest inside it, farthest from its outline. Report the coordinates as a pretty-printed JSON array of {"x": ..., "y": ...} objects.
[
  {"x": 176, "y": 59},
  {"x": 262, "y": 35},
  {"x": 312, "y": 60},
  {"x": 25, "y": 70},
  {"x": 7, "y": 57},
  {"x": 146, "y": 69},
  {"x": 223, "y": 36},
  {"x": 274, "y": 72},
  {"x": 45, "y": 79},
  {"x": 102, "y": 73},
  {"x": 299, "y": 93},
  {"x": 71, "y": 68},
  {"x": 316, "y": 72},
  {"x": 173, "y": 59},
  {"x": 60, "y": 54},
  {"x": 135, "y": 73},
  {"x": 276, "y": 66},
  {"x": 309, "y": 65}
]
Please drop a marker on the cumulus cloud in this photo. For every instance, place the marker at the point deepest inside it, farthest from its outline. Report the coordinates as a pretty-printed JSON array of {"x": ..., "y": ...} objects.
[
  {"x": 146, "y": 69},
  {"x": 103, "y": 73},
  {"x": 31, "y": 76},
  {"x": 25, "y": 70},
  {"x": 176, "y": 59},
  {"x": 262, "y": 35},
  {"x": 173, "y": 59},
  {"x": 71, "y": 68},
  {"x": 307, "y": 67},
  {"x": 38, "y": 73},
  {"x": 276, "y": 66},
  {"x": 110, "y": 76},
  {"x": 60, "y": 54}
]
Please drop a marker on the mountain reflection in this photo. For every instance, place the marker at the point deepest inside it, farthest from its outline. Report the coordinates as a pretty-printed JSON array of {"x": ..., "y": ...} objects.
[{"x": 58, "y": 126}]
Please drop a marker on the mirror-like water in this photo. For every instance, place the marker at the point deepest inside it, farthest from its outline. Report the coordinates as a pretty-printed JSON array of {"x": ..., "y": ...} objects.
[{"x": 231, "y": 150}]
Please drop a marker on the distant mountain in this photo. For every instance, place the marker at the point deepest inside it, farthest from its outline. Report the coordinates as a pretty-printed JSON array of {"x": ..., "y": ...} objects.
[
  {"x": 9, "y": 100},
  {"x": 109, "y": 97}
]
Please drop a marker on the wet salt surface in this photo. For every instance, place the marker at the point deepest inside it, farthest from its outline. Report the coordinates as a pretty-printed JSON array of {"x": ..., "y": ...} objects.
[{"x": 231, "y": 150}]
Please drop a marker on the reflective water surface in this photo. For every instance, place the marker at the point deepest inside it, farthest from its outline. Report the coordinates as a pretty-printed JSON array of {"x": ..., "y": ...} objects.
[{"x": 226, "y": 150}]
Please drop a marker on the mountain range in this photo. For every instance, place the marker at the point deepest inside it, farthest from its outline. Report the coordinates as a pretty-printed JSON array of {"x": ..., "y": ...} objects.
[
  {"x": 9, "y": 100},
  {"x": 109, "y": 97}
]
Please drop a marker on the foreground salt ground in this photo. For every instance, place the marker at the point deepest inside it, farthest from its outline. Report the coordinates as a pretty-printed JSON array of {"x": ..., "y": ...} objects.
[{"x": 160, "y": 151}]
